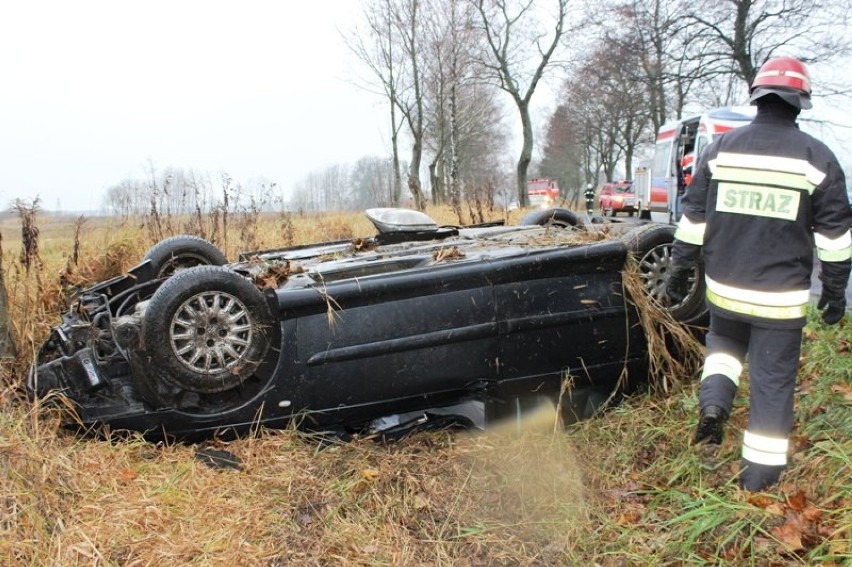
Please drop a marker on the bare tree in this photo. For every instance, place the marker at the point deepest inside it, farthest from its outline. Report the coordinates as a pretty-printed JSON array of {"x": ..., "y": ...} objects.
[
  {"x": 464, "y": 132},
  {"x": 410, "y": 100},
  {"x": 748, "y": 32},
  {"x": 378, "y": 50},
  {"x": 604, "y": 118},
  {"x": 563, "y": 156},
  {"x": 510, "y": 28},
  {"x": 371, "y": 183},
  {"x": 325, "y": 189},
  {"x": 672, "y": 60}
]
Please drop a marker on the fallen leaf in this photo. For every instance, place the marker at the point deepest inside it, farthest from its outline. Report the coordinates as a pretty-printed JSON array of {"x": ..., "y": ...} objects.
[
  {"x": 760, "y": 500},
  {"x": 811, "y": 513},
  {"x": 128, "y": 474},
  {"x": 369, "y": 474},
  {"x": 629, "y": 518},
  {"x": 797, "y": 501},
  {"x": 790, "y": 535},
  {"x": 844, "y": 390},
  {"x": 420, "y": 501},
  {"x": 775, "y": 508}
]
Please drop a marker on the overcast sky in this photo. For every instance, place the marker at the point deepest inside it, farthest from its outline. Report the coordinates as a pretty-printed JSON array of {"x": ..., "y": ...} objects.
[{"x": 92, "y": 91}]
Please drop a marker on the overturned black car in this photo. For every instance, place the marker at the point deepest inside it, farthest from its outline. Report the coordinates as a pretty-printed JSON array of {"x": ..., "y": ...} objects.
[{"x": 337, "y": 336}]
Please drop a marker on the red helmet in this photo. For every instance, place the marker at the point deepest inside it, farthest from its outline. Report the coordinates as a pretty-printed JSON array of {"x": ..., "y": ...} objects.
[{"x": 786, "y": 77}]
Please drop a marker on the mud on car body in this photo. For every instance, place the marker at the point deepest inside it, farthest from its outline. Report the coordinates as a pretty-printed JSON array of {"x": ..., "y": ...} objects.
[{"x": 336, "y": 335}]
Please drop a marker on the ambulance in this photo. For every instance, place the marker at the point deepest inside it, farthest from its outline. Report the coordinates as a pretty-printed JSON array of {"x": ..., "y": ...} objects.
[{"x": 684, "y": 138}]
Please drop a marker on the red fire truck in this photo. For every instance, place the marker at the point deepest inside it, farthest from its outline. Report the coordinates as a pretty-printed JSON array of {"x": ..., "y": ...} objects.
[{"x": 543, "y": 192}]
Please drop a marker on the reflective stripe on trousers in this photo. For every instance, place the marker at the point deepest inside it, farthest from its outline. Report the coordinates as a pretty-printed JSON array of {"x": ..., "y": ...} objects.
[{"x": 773, "y": 358}]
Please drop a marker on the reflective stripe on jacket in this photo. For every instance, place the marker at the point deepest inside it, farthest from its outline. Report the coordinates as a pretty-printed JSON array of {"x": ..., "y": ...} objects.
[{"x": 762, "y": 197}]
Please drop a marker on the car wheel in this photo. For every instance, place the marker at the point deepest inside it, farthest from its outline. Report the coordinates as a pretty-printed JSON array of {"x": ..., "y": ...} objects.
[
  {"x": 206, "y": 329},
  {"x": 183, "y": 251},
  {"x": 551, "y": 217},
  {"x": 652, "y": 246}
]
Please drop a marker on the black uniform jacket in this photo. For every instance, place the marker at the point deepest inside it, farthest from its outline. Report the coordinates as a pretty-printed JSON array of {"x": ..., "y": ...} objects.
[{"x": 763, "y": 196}]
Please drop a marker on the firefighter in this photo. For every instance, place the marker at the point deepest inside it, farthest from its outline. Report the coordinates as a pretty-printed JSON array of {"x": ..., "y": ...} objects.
[
  {"x": 761, "y": 197},
  {"x": 589, "y": 194}
]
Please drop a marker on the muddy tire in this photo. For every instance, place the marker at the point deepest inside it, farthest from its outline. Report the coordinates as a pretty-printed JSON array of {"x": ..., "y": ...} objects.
[
  {"x": 651, "y": 245},
  {"x": 562, "y": 218},
  {"x": 183, "y": 251},
  {"x": 206, "y": 329}
]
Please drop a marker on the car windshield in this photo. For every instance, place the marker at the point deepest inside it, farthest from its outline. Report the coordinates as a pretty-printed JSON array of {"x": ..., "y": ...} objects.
[{"x": 622, "y": 188}]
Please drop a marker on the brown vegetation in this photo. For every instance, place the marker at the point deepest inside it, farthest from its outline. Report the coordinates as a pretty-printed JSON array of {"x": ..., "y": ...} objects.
[{"x": 618, "y": 490}]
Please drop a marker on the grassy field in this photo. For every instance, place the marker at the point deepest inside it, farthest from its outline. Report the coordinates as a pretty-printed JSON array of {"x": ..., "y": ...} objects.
[{"x": 621, "y": 489}]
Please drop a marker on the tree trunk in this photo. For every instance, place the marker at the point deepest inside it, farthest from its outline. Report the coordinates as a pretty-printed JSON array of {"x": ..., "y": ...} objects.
[
  {"x": 414, "y": 176},
  {"x": 526, "y": 153},
  {"x": 396, "y": 192}
]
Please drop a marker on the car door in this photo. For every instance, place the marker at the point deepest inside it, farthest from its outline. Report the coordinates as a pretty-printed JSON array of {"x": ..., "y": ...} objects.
[
  {"x": 562, "y": 314},
  {"x": 395, "y": 342}
]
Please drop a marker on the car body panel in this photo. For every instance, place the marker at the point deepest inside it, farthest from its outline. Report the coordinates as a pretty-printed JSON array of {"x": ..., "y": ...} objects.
[{"x": 492, "y": 313}]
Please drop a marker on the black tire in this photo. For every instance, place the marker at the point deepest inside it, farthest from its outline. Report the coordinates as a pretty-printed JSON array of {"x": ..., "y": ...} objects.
[
  {"x": 183, "y": 251},
  {"x": 551, "y": 217},
  {"x": 190, "y": 345},
  {"x": 651, "y": 245}
]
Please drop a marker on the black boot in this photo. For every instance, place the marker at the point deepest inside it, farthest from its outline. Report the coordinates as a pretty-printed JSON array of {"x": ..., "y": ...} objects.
[
  {"x": 708, "y": 437},
  {"x": 711, "y": 425}
]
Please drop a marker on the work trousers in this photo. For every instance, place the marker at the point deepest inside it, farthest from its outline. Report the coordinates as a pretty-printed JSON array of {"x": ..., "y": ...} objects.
[{"x": 773, "y": 359}]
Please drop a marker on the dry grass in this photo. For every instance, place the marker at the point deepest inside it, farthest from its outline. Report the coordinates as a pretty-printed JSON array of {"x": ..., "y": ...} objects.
[
  {"x": 623, "y": 489},
  {"x": 430, "y": 499}
]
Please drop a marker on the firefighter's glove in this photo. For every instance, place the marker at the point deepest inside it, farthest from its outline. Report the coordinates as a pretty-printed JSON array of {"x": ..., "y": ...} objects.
[
  {"x": 832, "y": 302},
  {"x": 677, "y": 284}
]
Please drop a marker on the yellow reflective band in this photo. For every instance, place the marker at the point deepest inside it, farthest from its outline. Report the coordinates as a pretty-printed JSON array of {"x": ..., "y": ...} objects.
[
  {"x": 771, "y": 163},
  {"x": 760, "y": 177},
  {"x": 690, "y": 232},
  {"x": 765, "y": 450},
  {"x": 757, "y": 200},
  {"x": 763, "y": 311},
  {"x": 724, "y": 364},
  {"x": 834, "y": 255},
  {"x": 771, "y": 298},
  {"x": 833, "y": 249}
]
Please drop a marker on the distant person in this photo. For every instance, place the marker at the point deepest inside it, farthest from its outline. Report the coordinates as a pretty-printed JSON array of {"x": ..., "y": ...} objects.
[
  {"x": 589, "y": 194},
  {"x": 761, "y": 197},
  {"x": 686, "y": 165}
]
